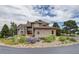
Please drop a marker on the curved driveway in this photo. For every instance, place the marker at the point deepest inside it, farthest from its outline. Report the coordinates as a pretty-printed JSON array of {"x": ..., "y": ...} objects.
[{"x": 74, "y": 49}]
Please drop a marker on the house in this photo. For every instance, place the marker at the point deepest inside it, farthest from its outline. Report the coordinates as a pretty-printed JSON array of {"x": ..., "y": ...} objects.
[{"x": 37, "y": 29}]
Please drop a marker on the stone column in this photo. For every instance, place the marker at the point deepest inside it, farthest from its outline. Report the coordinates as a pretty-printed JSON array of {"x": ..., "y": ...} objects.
[
  {"x": 54, "y": 32},
  {"x": 26, "y": 32}
]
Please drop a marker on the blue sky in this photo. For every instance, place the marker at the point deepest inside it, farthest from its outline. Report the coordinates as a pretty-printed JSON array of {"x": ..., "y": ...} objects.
[{"x": 50, "y": 13}]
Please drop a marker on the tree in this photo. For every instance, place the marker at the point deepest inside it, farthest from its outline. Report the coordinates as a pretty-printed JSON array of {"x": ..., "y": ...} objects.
[
  {"x": 13, "y": 29},
  {"x": 57, "y": 26},
  {"x": 5, "y": 31},
  {"x": 70, "y": 27}
]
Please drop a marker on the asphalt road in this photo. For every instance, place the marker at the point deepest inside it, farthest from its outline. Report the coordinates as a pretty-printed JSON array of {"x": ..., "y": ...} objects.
[{"x": 74, "y": 49}]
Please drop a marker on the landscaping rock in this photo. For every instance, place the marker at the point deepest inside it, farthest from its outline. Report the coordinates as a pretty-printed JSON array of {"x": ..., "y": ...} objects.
[{"x": 33, "y": 40}]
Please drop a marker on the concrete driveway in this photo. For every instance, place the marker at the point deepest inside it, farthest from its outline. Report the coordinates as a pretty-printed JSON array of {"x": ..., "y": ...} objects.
[{"x": 74, "y": 49}]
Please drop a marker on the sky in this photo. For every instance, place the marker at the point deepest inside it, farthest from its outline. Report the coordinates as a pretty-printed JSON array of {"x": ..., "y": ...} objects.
[{"x": 20, "y": 14}]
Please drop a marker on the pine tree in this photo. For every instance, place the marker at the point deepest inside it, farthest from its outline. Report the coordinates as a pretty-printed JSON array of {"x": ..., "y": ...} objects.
[
  {"x": 13, "y": 29},
  {"x": 56, "y": 25},
  {"x": 5, "y": 31}
]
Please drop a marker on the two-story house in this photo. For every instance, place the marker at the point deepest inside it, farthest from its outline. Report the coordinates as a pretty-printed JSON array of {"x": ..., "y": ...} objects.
[{"x": 37, "y": 29}]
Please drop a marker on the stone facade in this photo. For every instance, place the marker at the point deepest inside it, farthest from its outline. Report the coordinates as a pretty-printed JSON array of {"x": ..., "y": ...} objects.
[{"x": 42, "y": 32}]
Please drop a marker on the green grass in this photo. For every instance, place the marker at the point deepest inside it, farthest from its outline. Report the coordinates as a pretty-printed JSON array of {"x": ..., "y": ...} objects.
[
  {"x": 49, "y": 38},
  {"x": 17, "y": 39},
  {"x": 65, "y": 39},
  {"x": 10, "y": 42}
]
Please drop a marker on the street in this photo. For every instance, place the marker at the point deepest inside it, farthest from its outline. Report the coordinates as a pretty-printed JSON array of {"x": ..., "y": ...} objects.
[{"x": 74, "y": 49}]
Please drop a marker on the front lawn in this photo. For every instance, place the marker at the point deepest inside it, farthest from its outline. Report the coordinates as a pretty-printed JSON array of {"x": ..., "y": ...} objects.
[
  {"x": 63, "y": 39},
  {"x": 48, "y": 41},
  {"x": 17, "y": 39}
]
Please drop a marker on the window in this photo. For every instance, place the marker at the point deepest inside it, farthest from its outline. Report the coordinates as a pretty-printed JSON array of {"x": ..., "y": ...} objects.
[
  {"x": 38, "y": 32},
  {"x": 44, "y": 25},
  {"x": 52, "y": 32},
  {"x": 21, "y": 32}
]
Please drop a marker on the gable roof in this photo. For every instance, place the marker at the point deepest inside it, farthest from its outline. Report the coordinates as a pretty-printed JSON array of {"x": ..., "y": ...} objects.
[
  {"x": 21, "y": 26},
  {"x": 29, "y": 24},
  {"x": 40, "y": 22}
]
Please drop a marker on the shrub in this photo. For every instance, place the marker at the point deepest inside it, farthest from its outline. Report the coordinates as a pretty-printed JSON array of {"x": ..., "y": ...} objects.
[
  {"x": 49, "y": 38},
  {"x": 14, "y": 40},
  {"x": 62, "y": 38},
  {"x": 22, "y": 39},
  {"x": 18, "y": 39},
  {"x": 65, "y": 39},
  {"x": 43, "y": 38},
  {"x": 0, "y": 35},
  {"x": 73, "y": 40}
]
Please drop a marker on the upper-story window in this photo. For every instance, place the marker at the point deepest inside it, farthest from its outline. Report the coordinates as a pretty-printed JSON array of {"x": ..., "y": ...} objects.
[{"x": 44, "y": 25}]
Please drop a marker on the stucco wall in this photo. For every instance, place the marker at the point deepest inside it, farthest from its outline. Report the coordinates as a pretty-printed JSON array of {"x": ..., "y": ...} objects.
[
  {"x": 21, "y": 31},
  {"x": 35, "y": 25},
  {"x": 38, "y": 25},
  {"x": 42, "y": 32}
]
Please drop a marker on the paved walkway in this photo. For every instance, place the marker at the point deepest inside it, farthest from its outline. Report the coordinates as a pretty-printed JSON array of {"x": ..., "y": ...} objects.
[{"x": 74, "y": 49}]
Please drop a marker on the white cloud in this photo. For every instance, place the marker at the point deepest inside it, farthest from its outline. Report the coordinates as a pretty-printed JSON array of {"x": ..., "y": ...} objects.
[{"x": 22, "y": 13}]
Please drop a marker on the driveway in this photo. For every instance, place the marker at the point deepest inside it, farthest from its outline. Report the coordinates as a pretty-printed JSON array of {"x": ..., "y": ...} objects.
[{"x": 74, "y": 49}]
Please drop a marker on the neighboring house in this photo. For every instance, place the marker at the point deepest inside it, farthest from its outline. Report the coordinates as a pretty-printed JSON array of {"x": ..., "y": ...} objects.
[{"x": 37, "y": 29}]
